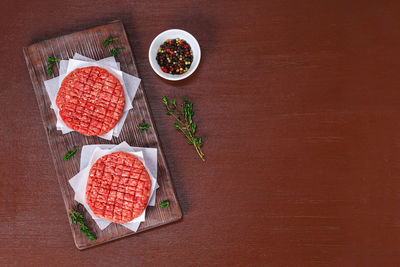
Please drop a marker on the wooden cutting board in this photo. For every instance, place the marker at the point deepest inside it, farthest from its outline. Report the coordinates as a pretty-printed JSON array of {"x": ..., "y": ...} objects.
[{"x": 90, "y": 43}]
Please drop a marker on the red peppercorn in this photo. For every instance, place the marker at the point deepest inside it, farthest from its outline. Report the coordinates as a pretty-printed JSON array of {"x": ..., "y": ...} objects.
[{"x": 187, "y": 52}]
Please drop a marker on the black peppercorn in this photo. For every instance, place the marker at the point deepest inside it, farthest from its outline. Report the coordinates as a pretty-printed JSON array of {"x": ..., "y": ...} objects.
[{"x": 175, "y": 56}]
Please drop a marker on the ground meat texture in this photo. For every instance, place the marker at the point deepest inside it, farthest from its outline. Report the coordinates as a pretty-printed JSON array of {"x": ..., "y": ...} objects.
[
  {"x": 91, "y": 101},
  {"x": 118, "y": 187}
]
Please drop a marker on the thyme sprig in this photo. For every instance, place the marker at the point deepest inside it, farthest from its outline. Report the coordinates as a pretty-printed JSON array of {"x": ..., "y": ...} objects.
[
  {"x": 114, "y": 51},
  {"x": 77, "y": 218},
  {"x": 110, "y": 40},
  {"x": 183, "y": 115},
  {"x": 164, "y": 204},
  {"x": 143, "y": 126},
  {"x": 52, "y": 61}
]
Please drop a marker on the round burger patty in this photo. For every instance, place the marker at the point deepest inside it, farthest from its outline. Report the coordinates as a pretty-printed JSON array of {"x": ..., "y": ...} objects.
[
  {"x": 118, "y": 187},
  {"x": 91, "y": 100}
]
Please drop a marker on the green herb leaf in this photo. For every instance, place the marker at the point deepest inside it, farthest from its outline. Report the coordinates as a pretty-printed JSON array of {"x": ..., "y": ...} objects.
[
  {"x": 77, "y": 218},
  {"x": 200, "y": 141},
  {"x": 143, "y": 126},
  {"x": 164, "y": 204},
  {"x": 70, "y": 153},
  {"x": 179, "y": 127},
  {"x": 52, "y": 61},
  {"x": 110, "y": 40},
  {"x": 115, "y": 51},
  {"x": 173, "y": 103},
  {"x": 49, "y": 71},
  {"x": 73, "y": 219},
  {"x": 165, "y": 100}
]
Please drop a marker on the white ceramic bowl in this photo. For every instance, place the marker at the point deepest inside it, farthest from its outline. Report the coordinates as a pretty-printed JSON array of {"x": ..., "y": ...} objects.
[{"x": 172, "y": 34}]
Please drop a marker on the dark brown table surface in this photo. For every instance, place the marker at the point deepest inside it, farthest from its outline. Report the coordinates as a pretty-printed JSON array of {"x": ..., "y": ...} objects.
[{"x": 298, "y": 104}]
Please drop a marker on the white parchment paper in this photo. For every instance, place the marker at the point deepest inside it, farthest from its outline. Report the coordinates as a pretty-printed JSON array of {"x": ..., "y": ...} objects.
[
  {"x": 91, "y": 153},
  {"x": 129, "y": 83}
]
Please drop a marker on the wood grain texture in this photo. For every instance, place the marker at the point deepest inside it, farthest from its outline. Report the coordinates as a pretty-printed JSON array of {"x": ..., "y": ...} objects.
[
  {"x": 90, "y": 43},
  {"x": 298, "y": 105}
]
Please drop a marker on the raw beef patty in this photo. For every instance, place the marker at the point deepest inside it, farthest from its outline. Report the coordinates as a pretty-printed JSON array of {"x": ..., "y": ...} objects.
[
  {"x": 91, "y": 100},
  {"x": 118, "y": 187}
]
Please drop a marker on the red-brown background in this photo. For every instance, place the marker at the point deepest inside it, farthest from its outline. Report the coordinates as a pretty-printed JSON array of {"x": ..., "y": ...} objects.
[{"x": 298, "y": 103}]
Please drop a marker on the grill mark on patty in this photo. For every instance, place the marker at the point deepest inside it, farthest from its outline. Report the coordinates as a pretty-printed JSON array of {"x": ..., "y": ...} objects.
[
  {"x": 91, "y": 101},
  {"x": 124, "y": 176}
]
